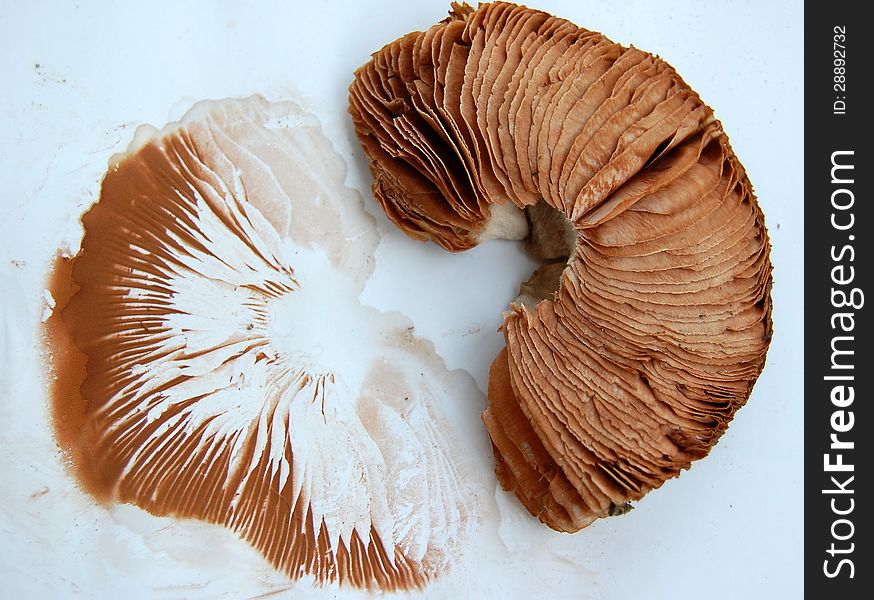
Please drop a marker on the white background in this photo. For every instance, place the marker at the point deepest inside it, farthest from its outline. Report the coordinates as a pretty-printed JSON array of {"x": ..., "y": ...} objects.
[{"x": 78, "y": 77}]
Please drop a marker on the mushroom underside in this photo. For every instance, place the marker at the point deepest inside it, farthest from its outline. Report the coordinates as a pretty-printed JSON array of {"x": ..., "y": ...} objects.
[{"x": 629, "y": 351}]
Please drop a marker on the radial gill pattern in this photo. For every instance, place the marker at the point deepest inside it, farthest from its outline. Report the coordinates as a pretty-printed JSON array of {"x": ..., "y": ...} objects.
[
  {"x": 232, "y": 374},
  {"x": 629, "y": 352}
]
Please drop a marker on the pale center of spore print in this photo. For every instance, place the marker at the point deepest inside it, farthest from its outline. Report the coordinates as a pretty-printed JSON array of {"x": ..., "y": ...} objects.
[{"x": 321, "y": 326}]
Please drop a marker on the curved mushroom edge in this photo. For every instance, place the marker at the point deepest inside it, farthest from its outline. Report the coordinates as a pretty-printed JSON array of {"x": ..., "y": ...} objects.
[{"x": 628, "y": 353}]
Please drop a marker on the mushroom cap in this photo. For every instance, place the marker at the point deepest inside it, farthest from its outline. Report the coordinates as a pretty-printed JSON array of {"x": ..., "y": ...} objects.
[
  {"x": 627, "y": 355},
  {"x": 232, "y": 374}
]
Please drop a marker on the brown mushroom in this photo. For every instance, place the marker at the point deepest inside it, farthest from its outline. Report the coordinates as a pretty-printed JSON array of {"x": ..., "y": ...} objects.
[
  {"x": 629, "y": 352},
  {"x": 232, "y": 374}
]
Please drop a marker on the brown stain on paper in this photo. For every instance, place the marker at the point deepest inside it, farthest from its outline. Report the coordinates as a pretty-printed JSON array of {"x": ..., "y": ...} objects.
[
  {"x": 128, "y": 364},
  {"x": 67, "y": 365}
]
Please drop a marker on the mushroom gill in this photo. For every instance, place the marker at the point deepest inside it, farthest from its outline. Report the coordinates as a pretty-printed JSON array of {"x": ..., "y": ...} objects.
[
  {"x": 232, "y": 374},
  {"x": 628, "y": 354}
]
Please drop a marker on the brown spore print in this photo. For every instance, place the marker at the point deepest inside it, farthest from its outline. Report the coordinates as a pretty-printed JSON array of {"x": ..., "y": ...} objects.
[{"x": 213, "y": 361}]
